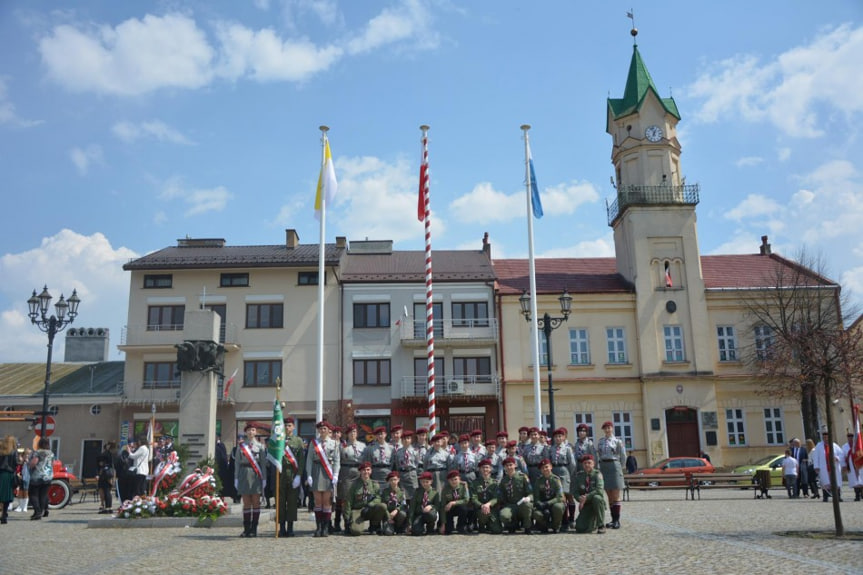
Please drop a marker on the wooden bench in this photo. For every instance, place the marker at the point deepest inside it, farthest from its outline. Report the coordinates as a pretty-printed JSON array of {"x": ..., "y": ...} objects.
[
  {"x": 755, "y": 482},
  {"x": 657, "y": 481}
]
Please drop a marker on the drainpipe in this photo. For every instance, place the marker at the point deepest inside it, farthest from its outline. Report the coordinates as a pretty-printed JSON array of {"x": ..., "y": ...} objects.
[{"x": 502, "y": 400}]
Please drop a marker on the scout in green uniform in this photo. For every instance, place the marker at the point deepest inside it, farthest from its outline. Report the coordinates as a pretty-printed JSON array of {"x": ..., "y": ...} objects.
[
  {"x": 293, "y": 464},
  {"x": 588, "y": 491},
  {"x": 515, "y": 498},
  {"x": 394, "y": 498},
  {"x": 423, "y": 512},
  {"x": 363, "y": 503},
  {"x": 484, "y": 495},
  {"x": 454, "y": 503},
  {"x": 548, "y": 499}
]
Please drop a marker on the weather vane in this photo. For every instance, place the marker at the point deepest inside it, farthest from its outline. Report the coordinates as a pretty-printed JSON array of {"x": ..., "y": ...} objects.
[{"x": 634, "y": 31}]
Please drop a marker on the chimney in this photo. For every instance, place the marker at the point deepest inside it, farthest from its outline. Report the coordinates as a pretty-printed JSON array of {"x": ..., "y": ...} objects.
[
  {"x": 341, "y": 242},
  {"x": 292, "y": 239},
  {"x": 486, "y": 245},
  {"x": 765, "y": 247}
]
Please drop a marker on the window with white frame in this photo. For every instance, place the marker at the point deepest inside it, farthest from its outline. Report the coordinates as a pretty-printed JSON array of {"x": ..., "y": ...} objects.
[
  {"x": 585, "y": 417},
  {"x": 616, "y": 341},
  {"x": 673, "y": 335},
  {"x": 623, "y": 426},
  {"x": 735, "y": 427},
  {"x": 543, "y": 348},
  {"x": 579, "y": 346},
  {"x": 763, "y": 341},
  {"x": 774, "y": 429},
  {"x": 727, "y": 341}
]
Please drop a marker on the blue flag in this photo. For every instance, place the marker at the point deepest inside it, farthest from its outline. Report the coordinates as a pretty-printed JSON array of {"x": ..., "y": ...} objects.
[{"x": 534, "y": 190}]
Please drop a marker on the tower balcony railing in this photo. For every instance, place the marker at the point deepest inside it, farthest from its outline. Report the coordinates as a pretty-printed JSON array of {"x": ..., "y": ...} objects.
[
  {"x": 452, "y": 386},
  {"x": 662, "y": 195}
]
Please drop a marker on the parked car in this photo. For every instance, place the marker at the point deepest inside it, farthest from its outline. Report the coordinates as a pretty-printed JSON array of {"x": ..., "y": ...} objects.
[
  {"x": 772, "y": 463},
  {"x": 676, "y": 465},
  {"x": 60, "y": 491}
]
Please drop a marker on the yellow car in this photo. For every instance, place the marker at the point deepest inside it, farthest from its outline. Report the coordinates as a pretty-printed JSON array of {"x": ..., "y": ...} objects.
[{"x": 772, "y": 463}]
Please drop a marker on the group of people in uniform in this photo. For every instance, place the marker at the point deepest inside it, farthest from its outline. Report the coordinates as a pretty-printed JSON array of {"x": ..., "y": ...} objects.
[{"x": 412, "y": 484}]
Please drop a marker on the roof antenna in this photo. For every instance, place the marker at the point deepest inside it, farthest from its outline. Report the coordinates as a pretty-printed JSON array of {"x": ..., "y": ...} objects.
[{"x": 634, "y": 31}]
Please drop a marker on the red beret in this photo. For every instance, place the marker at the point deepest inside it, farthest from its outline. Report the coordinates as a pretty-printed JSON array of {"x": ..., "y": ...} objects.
[
  {"x": 445, "y": 433},
  {"x": 524, "y": 428},
  {"x": 364, "y": 465},
  {"x": 321, "y": 424},
  {"x": 582, "y": 427},
  {"x": 463, "y": 437},
  {"x": 587, "y": 457},
  {"x": 289, "y": 420},
  {"x": 607, "y": 424},
  {"x": 436, "y": 436},
  {"x": 509, "y": 460},
  {"x": 426, "y": 475},
  {"x": 336, "y": 428},
  {"x": 491, "y": 442},
  {"x": 475, "y": 432},
  {"x": 543, "y": 433},
  {"x": 533, "y": 430},
  {"x": 502, "y": 434},
  {"x": 351, "y": 427},
  {"x": 545, "y": 462},
  {"x": 380, "y": 429},
  {"x": 560, "y": 431},
  {"x": 512, "y": 443},
  {"x": 485, "y": 462},
  {"x": 451, "y": 474},
  {"x": 392, "y": 474},
  {"x": 422, "y": 430},
  {"x": 407, "y": 433},
  {"x": 250, "y": 425},
  {"x": 395, "y": 428}
]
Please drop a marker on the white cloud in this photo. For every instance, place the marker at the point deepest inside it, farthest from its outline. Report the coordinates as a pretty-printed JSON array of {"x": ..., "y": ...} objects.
[
  {"x": 484, "y": 204},
  {"x": 156, "y": 129},
  {"x": 199, "y": 200},
  {"x": 410, "y": 20},
  {"x": 264, "y": 56},
  {"x": 8, "y": 115},
  {"x": 748, "y": 161},
  {"x": 597, "y": 248},
  {"x": 754, "y": 205},
  {"x": 68, "y": 261},
  {"x": 135, "y": 57},
  {"x": 786, "y": 91},
  {"x": 83, "y": 158}
]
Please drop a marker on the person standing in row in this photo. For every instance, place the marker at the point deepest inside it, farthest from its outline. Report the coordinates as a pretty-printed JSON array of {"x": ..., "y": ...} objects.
[
  {"x": 437, "y": 461},
  {"x": 350, "y": 457},
  {"x": 465, "y": 461},
  {"x": 8, "y": 466},
  {"x": 789, "y": 473},
  {"x": 583, "y": 445},
  {"x": 799, "y": 453},
  {"x": 612, "y": 456},
  {"x": 533, "y": 453},
  {"x": 322, "y": 475},
  {"x": 293, "y": 465},
  {"x": 41, "y": 473},
  {"x": 564, "y": 466},
  {"x": 421, "y": 445},
  {"x": 407, "y": 463},
  {"x": 381, "y": 455},
  {"x": 250, "y": 478}
]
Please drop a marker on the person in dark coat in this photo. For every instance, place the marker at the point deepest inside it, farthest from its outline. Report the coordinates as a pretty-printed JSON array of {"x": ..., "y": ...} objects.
[{"x": 223, "y": 469}]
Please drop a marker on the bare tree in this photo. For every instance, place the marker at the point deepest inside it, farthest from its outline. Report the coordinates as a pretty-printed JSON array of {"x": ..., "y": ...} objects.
[{"x": 801, "y": 348}]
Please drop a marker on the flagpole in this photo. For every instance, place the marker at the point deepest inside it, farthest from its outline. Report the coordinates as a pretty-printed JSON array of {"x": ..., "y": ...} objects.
[
  {"x": 319, "y": 405},
  {"x": 424, "y": 191},
  {"x": 534, "y": 338},
  {"x": 278, "y": 474},
  {"x": 151, "y": 437}
]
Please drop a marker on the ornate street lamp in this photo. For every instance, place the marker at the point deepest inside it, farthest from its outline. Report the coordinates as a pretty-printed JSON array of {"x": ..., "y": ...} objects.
[
  {"x": 64, "y": 314},
  {"x": 547, "y": 324}
]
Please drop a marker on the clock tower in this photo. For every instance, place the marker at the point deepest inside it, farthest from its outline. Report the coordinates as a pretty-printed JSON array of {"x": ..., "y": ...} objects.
[{"x": 653, "y": 217}]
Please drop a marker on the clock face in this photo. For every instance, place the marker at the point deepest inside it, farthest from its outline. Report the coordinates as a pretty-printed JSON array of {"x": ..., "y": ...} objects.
[{"x": 653, "y": 133}]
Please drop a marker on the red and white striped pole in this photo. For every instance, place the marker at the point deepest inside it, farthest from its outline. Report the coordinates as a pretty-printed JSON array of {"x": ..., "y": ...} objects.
[{"x": 424, "y": 213}]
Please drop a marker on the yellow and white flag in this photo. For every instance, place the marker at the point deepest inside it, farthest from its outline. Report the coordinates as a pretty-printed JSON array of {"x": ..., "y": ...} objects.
[{"x": 327, "y": 184}]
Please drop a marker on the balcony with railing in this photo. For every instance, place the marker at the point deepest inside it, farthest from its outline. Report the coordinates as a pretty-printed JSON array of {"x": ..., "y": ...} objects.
[
  {"x": 450, "y": 332},
  {"x": 462, "y": 386},
  {"x": 168, "y": 334},
  {"x": 662, "y": 195}
]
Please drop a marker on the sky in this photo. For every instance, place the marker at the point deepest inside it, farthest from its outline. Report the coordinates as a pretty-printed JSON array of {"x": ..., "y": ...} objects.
[{"x": 127, "y": 125}]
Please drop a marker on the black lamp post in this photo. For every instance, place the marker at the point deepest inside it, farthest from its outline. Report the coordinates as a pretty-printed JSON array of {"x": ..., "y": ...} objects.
[
  {"x": 548, "y": 323},
  {"x": 65, "y": 310}
]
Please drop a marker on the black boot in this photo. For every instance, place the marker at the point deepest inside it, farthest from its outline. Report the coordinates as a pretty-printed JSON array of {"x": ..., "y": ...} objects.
[
  {"x": 253, "y": 528},
  {"x": 319, "y": 527},
  {"x": 4, "y": 517},
  {"x": 825, "y": 496},
  {"x": 290, "y": 532},
  {"x": 283, "y": 530},
  {"x": 337, "y": 528},
  {"x": 247, "y": 523},
  {"x": 325, "y": 528},
  {"x": 858, "y": 493}
]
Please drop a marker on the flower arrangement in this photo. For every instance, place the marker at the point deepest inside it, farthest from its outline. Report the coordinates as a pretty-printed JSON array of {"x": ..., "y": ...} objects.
[{"x": 194, "y": 497}]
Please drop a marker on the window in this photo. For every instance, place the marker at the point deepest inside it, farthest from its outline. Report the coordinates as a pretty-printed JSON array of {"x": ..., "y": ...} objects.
[
  {"x": 309, "y": 278},
  {"x": 472, "y": 369},
  {"x": 165, "y": 317},
  {"x": 420, "y": 320},
  {"x": 623, "y": 426},
  {"x": 727, "y": 343},
  {"x": 372, "y": 372},
  {"x": 543, "y": 347},
  {"x": 586, "y": 418},
  {"x": 773, "y": 427},
  {"x": 155, "y": 281},
  {"x": 262, "y": 373},
  {"x": 579, "y": 347},
  {"x": 616, "y": 337},
  {"x": 763, "y": 341},
  {"x": 470, "y": 314},
  {"x": 673, "y": 335},
  {"x": 161, "y": 375},
  {"x": 371, "y": 315},
  {"x": 264, "y": 315},
  {"x": 234, "y": 280},
  {"x": 734, "y": 426}
]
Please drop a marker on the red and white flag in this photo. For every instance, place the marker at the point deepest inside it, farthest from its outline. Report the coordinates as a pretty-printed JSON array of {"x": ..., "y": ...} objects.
[
  {"x": 668, "y": 282},
  {"x": 228, "y": 383}
]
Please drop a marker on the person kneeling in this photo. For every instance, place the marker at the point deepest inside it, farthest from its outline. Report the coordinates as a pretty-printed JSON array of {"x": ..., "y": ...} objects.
[
  {"x": 363, "y": 503},
  {"x": 588, "y": 491}
]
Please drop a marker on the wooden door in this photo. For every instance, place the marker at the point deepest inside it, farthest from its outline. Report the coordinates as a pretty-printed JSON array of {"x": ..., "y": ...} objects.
[{"x": 681, "y": 424}]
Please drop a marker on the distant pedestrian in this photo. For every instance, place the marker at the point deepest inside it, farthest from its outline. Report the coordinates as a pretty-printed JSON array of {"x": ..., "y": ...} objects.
[
  {"x": 41, "y": 474},
  {"x": 8, "y": 466},
  {"x": 632, "y": 463},
  {"x": 106, "y": 477},
  {"x": 790, "y": 469}
]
